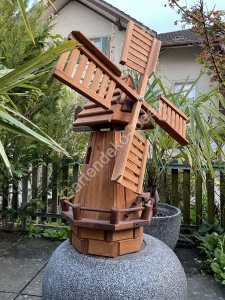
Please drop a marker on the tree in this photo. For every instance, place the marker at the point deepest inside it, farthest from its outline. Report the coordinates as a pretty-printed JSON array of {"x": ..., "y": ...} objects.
[{"x": 209, "y": 25}]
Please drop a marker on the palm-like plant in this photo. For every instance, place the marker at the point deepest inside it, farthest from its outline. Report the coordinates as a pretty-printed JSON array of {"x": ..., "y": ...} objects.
[{"x": 20, "y": 77}]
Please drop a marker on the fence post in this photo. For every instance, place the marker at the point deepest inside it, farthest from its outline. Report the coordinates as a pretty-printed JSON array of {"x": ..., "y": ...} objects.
[
  {"x": 24, "y": 200},
  {"x": 75, "y": 173},
  {"x": 174, "y": 193},
  {"x": 65, "y": 173},
  {"x": 5, "y": 197},
  {"x": 34, "y": 186},
  {"x": 198, "y": 198},
  {"x": 44, "y": 189},
  {"x": 162, "y": 185},
  {"x": 186, "y": 196},
  {"x": 222, "y": 199},
  {"x": 55, "y": 169},
  {"x": 210, "y": 197},
  {"x": 15, "y": 195}
]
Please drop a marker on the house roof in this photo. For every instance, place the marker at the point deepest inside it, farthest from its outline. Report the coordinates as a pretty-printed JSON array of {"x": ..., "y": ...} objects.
[
  {"x": 180, "y": 38},
  {"x": 101, "y": 7}
]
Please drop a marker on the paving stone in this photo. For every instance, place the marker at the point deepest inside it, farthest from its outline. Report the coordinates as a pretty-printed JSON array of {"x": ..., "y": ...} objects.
[
  {"x": 7, "y": 296},
  {"x": 18, "y": 273},
  {"x": 35, "y": 286}
]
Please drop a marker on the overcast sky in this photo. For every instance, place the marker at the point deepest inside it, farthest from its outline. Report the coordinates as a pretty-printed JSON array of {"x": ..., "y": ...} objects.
[{"x": 154, "y": 14}]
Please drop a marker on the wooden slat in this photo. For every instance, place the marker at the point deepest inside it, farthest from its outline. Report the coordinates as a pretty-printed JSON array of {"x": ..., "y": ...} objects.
[
  {"x": 134, "y": 159},
  {"x": 136, "y": 152},
  {"x": 81, "y": 89},
  {"x": 141, "y": 36},
  {"x": 123, "y": 154},
  {"x": 143, "y": 167},
  {"x": 130, "y": 177},
  {"x": 104, "y": 85},
  {"x": 124, "y": 53},
  {"x": 93, "y": 120},
  {"x": 110, "y": 91},
  {"x": 210, "y": 198},
  {"x": 89, "y": 74},
  {"x": 139, "y": 55},
  {"x": 78, "y": 36},
  {"x": 138, "y": 145},
  {"x": 174, "y": 192},
  {"x": 133, "y": 167},
  {"x": 137, "y": 61},
  {"x": 142, "y": 32},
  {"x": 62, "y": 60},
  {"x": 153, "y": 59},
  {"x": 168, "y": 118},
  {"x": 128, "y": 184},
  {"x": 137, "y": 48},
  {"x": 81, "y": 68},
  {"x": 72, "y": 62},
  {"x": 96, "y": 111},
  {"x": 139, "y": 137},
  {"x": 165, "y": 100},
  {"x": 135, "y": 67},
  {"x": 95, "y": 82},
  {"x": 198, "y": 199},
  {"x": 140, "y": 44},
  {"x": 186, "y": 196}
]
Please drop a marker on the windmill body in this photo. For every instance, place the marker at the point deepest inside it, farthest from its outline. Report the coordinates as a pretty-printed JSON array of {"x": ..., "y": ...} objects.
[{"x": 110, "y": 208}]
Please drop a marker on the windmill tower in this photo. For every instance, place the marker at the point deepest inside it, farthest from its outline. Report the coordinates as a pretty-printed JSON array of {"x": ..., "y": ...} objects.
[{"x": 110, "y": 208}]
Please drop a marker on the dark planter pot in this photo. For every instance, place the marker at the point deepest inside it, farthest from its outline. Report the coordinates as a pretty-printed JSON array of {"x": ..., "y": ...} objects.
[{"x": 166, "y": 228}]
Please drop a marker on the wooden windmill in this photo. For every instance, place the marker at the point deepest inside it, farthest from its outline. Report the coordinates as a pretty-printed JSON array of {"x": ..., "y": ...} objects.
[{"x": 110, "y": 208}]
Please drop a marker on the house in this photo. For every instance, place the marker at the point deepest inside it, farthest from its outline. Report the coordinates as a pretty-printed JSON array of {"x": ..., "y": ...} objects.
[{"x": 105, "y": 25}]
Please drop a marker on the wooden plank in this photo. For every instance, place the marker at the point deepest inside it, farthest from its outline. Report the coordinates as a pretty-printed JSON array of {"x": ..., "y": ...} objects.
[
  {"x": 62, "y": 60},
  {"x": 210, "y": 198},
  {"x": 133, "y": 167},
  {"x": 198, "y": 199},
  {"x": 168, "y": 117},
  {"x": 162, "y": 186},
  {"x": 128, "y": 184},
  {"x": 222, "y": 199},
  {"x": 130, "y": 177},
  {"x": 119, "y": 235},
  {"x": 136, "y": 41},
  {"x": 142, "y": 38},
  {"x": 186, "y": 196},
  {"x": 90, "y": 233},
  {"x": 143, "y": 33},
  {"x": 143, "y": 167},
  {"x": 103, "y": 86},
  {"x": 89, "y": 74},
  {"x": 174, "y": 193},
  {"x": 139, "y": 137},
  {"x": 130, "y": 246},
  {"x": 136, "y": 152},
  {"x": 103, "y": 248},
  {"x": 123, "y": 154},
  {"x": 137, "y": 61},
  {"x": 81, "y": 69},
  {"x": 96, "y": 80},
  {"x": 77, "y": 35},
  {"x": 71, "y": 65},
  {"x": 153, "y": 59},
  {"x": 135, "y": 67},
  {"x": 110, "y": 91},
  {"x": 81, "y": 89},
  {"x": 173, "y": 107},
  {"x": 93, "y": 120},
  {"x": 138, "y": 232},
  {"x": 139, "y": 55},
  {"x": 134, "y": 160},
  {"x": 134, "y": 48},
  {"x": 96, "y": 111},
  {"x": 137, "y": 144},
  {"x": 126, "y": 43}
]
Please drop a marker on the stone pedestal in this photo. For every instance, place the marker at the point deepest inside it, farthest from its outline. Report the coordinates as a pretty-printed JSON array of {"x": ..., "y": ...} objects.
[{"x": 153, "y": 273}]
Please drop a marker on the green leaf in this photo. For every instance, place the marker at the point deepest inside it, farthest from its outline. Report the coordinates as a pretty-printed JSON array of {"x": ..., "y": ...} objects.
[
  {"x": 26, "y": 21},
  {"x": 5, "y": 158}
]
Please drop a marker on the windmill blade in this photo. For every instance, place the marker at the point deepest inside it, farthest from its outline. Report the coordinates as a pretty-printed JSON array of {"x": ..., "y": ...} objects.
[
  {"x": 91, "y": 73},
  {"x": 169, "y": 118},
  {"x": 131, "y": 160}
]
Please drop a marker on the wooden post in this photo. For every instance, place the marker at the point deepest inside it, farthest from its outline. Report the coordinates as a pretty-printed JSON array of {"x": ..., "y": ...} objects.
[
  {"x": 54, "y": 188},
  {"x": 45, "y": 188},
  {"x": 15, "y": 195},
  {"x": 34, "y": 185},
  {"x": 222, "y": 199},
  {"x": 174, "y": 194},
  {"x": 114, "y": 216},
  {"x": 198, "y": 199},
  {"x": 210, "y": 197},
  {"x": 162, "y": 185},
  {"x": 146, "y": 212},
  {"x": 186, "y": 196},
  {"x": 76, "y": 211},
  {"x": 24, "y": 199}
]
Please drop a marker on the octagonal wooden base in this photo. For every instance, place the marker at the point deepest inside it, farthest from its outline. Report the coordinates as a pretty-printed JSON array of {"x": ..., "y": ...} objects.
[{"x": 106, "y": 242}]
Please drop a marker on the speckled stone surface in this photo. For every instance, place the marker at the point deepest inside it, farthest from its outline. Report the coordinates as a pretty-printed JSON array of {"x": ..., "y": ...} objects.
[
  {"x": 153, "y": 273},
  {"x": 166, "y": 229}
]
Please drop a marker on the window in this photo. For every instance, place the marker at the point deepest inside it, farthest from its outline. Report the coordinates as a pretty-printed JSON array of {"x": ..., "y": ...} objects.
[
  {"x": 103, "y": 43},
  {"x": 185, "y": 87}
]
